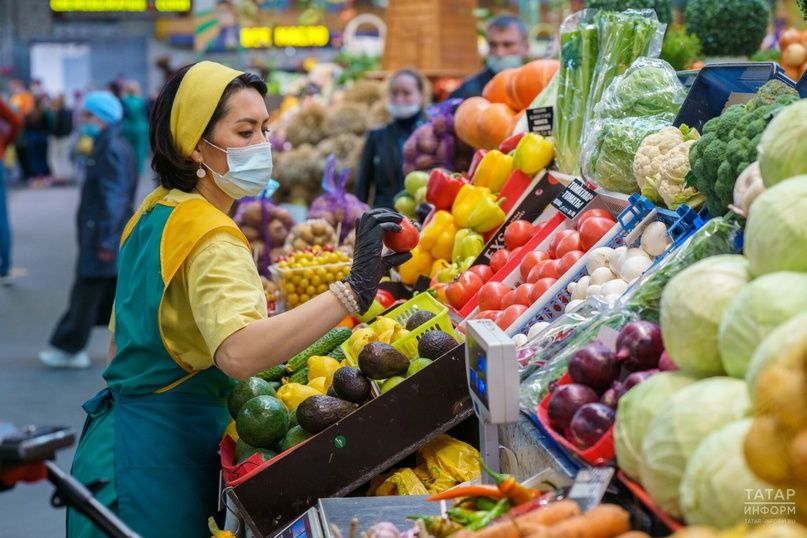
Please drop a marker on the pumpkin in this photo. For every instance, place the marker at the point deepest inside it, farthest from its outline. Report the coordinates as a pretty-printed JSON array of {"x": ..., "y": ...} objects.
[
  {"x": 466, "y": 120},
  {"x": 495, "y": 124},
  {"x": 529, "y": 81},
  {"x": 495, "y": 90}
]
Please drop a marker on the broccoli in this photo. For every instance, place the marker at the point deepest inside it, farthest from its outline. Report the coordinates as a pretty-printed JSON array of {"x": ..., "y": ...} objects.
[
  {"x": 728, "y": 27},
  {"x": 663, "y": 8},
  {"x": 803, "y": 7}
]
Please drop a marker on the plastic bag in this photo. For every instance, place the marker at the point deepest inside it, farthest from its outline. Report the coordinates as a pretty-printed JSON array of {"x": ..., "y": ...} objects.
[
  {"x": 435, "y": 145},
  {"x": 640, "y": 102},
  {"x": 266, "y": 227},
  {"x": 446, "y": 462},
  {"x": 401, "y": 482},
  {"x": 336, "y": 205}
]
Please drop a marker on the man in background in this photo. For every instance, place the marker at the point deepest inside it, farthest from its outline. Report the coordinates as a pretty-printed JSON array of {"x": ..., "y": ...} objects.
[{"x": 10, "y": 123}]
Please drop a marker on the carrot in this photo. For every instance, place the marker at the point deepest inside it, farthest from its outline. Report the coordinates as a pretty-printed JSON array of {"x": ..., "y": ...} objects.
[
  {"x": 482, "y": 490},
  {"x": 603, "y": 521},
  {"x": 503, "y": 529},
  {"x": 548, "y": 515}
]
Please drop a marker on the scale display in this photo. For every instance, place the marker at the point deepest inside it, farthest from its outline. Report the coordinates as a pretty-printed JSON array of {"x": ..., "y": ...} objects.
[
  {"x": 490, "y": 361},
  {"x": 478, "y": 371},
  {"x": 305, "y": 526}
]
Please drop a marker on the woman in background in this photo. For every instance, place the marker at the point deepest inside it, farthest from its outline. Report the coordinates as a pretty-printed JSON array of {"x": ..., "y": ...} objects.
[{"x": 135, "y": 123}]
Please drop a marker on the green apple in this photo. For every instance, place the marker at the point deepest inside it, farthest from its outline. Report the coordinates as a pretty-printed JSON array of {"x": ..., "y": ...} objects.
[
  {"x": 389, "y": 383},
  {"x": 405, "y": 205},
  {"x": 417, "y": 365},
  {"x": 420, "y": 196},
  {"x": 415, "y": 180}
]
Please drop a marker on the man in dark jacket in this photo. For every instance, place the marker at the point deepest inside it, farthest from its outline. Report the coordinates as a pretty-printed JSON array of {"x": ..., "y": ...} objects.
[
  {"x": 107, "y": 199},
  {"x": 507, "y": 48}
]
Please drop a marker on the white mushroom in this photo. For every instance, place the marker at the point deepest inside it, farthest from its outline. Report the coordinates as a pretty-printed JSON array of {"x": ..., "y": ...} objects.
[
  {"x": 633, "y": 268},
  {"x": 579, "y": 291},
  {"x": 537, "y": 328},
  {"x": 573, "y": 305},
  {"x": 602, "y": 275},
  {"x": 593, "y": 291},
  {"x": 616, "y": 257},
  {"x": 655, "y": 238},
  {"x": 614, "y": 287},
  {"x": 520, "y": 339},
  {"x": 598, "y": 258}
]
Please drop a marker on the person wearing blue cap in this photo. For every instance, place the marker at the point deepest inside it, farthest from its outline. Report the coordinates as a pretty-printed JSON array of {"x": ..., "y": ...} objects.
[{"x": 107, "y": 200}]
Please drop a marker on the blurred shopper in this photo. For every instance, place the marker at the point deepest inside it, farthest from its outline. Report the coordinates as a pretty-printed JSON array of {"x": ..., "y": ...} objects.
[
  {"x": 60, "y": 142},
  {"x": 22, "y": 101},
  {"x": 107, "y": 197},
  {"x": 37, "y": 129},
  {"x": 135, "y": 122},
  {"x": 10, "y": 123},
  {"x": 507, "y": 47},
  {"x": 380, "y": 173}
]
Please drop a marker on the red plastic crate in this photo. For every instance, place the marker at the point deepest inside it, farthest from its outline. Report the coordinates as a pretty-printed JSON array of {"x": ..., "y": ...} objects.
[
  {"x": 603, "y": 450},
  {"x": 235, "y": 473},
  {"x": 673, "y": 524}
]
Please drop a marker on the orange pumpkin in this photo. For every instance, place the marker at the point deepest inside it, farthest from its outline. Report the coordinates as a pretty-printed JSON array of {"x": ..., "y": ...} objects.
[
  {"x": 495, "y": 124},
  {"x": 529, "y": 81},
  {"x": 466, "y": 120},
  {"x": 516, "y": 119},
  {"x": 495, "y": 91}
]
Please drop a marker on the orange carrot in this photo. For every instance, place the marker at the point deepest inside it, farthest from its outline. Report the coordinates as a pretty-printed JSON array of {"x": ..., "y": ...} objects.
[
  {"x": 603, "y": 521},
  {"x": 548, "y": 515}
]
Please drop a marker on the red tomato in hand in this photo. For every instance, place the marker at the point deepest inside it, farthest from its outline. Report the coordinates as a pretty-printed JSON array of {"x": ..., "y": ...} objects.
[
  {"x": 556, "y": 239},
  {"x": 491, "y": 294},
  {"x": 460, "y": 292},
  {"x": 567, "y": 244},
  {"x": 517, "y": 234},
  {"x": 544, "y": 269},
  {"x": 509, "y": 299},
  {"x": 603, "y": 213},
  {"x": 568, "y": 259},
  {"x": 540, "y": 287},
  {"x": 482, "y": 271},
  {"x": 593, "y": 229},
  {"x": 529, "y": 262},
  {"x": 499, "y": 260},
  {"x": 405, "y": 240},
  {"x": 509, "y": 315},
  {"x": 523, "y": 293}
]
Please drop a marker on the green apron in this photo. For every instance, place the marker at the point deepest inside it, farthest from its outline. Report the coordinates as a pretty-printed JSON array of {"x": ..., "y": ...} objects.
[{"x": 154, "y": 431}]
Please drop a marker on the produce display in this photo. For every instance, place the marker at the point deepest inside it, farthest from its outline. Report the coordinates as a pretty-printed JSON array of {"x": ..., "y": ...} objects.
[
  {"x": 304, "y": 274},
  {"x": 435, "y": 143}
]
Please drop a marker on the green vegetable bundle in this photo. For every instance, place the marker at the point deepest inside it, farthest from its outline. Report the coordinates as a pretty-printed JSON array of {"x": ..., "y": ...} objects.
[
  {"x": 663, "y": 8},
  {"x": 728, "y": 27}
]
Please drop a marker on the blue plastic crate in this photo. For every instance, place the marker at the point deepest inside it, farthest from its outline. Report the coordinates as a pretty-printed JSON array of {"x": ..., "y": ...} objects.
[
  {"x": 715, "y": 83},
  {"x": 802, "y": 86}
]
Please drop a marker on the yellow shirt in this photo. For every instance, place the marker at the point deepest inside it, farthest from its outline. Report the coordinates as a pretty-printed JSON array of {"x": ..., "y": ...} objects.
[{"x": 216, "y": 293}]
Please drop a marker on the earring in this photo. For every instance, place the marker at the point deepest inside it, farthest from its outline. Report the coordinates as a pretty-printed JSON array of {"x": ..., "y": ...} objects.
[{"x": 201, "y": 172}]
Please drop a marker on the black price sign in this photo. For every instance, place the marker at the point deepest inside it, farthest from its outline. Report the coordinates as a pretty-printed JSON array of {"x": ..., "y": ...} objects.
[
  {"x": 590, "y": 485},
  {"x": 539, "y": 120},
  {"x": 573, "y": 199}
]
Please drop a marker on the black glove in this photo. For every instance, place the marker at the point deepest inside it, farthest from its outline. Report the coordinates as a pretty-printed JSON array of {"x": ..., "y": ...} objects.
[{"x": 368, "y": 264}]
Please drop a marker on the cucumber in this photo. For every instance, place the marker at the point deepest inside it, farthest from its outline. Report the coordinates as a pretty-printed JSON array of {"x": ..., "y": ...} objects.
[
  {"x": 337, "y": 353},
  {"x": 275, "y": 373},
  {"x": 300, "y": 376},
  {"x": 323, "y": 346}
]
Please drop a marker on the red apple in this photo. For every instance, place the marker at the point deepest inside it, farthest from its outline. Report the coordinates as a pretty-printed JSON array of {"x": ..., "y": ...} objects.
[
  {"x": 509, "y": 315},
  {"x": 482, "y": 271},
  {"x": 556, "y": 239},
  {"x": 523, "y": 293},
  {"x": 405, "y": 240},
  {"x": 567, "y": 244},
  {"x": 540, "y": 287},
  {"x": 529, "y": 261},
  {"x": 491, "y": 294},
  {"x": 517, "y": 234},
  {"x": 499, "y": 260}
]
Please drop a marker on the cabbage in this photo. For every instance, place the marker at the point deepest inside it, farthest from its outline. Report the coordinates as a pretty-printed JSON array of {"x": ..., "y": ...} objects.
[
  {"x": 691, "y": 307},
  {"x": 714, "y": 488},
  {"x": 783, "y": 147},
  {"x": 776, "y": 231},
  {"x": 788, "y": 337},
  {"x": 680, "y": 426},
  {"x": 635, "y": 411},
  {"x": 759, "y": 308}
]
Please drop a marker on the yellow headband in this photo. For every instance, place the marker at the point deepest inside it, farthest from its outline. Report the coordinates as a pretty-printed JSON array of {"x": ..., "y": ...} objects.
[{"x": 196, "y": 100}]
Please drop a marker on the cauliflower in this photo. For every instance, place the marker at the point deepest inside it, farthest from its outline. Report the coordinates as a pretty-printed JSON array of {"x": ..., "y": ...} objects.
[{"x": 662, "y": 164}]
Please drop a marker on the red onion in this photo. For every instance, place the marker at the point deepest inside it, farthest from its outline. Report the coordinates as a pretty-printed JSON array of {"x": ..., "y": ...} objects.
[
  {"x": 590, "y": 423},
  {"x": 564, "y": 403},
  {"x": 611, "y": 396},
  {"x": 637, "y": 377},
  {"x": 594, "y": 365},
  {"x": 666, "y": 364},
  {"x": 639, "y": 345}
]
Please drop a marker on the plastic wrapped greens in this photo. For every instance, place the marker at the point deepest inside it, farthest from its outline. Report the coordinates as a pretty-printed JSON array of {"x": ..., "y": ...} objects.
[{"x": 638, "y": 103}]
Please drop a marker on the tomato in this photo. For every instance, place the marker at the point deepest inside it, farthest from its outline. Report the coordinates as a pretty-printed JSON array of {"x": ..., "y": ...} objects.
[
  {"x": 517, "y": 234},
  {"x": 489, "y": 314},
  {"x": 568, "y": 259},
  {"x": 603, "y": 213},
  {"x": 540, "y": 287},
  {"x": 567, "y": 244},
  {"x": 538, "y": 228},
  {"x": 385, "y": 298},
  {"x": 499, "y": 260},
  {"x": 491, "y": 294},
  {"x": 544, "y": 269},
  {"x": 523, "y": 293},
  {"x": 509, "y": 315},
  {"x": 460, "y": 292},
  {"x": 592, "y": 230},
  {"x": 405, "y": 240},
  {"x": 529, "y": 262},
  {"x": 509, "y": 299},
  {"x": 514, "y": 253},
  {"x": 482, "y": 271},
  {"x": 556, "y": 239}
]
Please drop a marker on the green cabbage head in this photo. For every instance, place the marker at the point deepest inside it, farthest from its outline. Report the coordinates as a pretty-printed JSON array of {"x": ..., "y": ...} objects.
[
  {"x": 691, "y": 307},
  {"x": 783, "y": 147},
  {"x": 691, "y": 414},
  {"x": 788, "y": 336},
  {"x": 635, "y": 410}
]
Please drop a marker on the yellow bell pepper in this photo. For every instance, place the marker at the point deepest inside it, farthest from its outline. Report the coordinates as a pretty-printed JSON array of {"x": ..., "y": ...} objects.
[
  {"x": 493, "y": 170},
  {"x": 437, "y": 238},
  {"x": 319, "y": 383},
  {"x": 533, "y": 154},
  {"x": 465, "y": 202},
  {"x": 319, "y": 366},
  {"x": 420, "y": 264},
  {"x": 216, "y": 532},
  {"x": 486, "y": 216},
  {"x": 293, "y": 394}
]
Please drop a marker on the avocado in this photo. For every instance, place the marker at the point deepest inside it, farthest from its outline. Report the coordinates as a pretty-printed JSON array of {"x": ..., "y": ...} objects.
[
  {"x": 244, "y": 451},
  {"x": 435, "y": 344},
  {"x": 262, "y": 422},
  {"x": 295, "y": 436},
  {"x": 417, "y": 319},
  {"x": 380, "y": 361},
  {"x": 245, "y": 391},
  {"x": 332, "y": 391},
  {"x": 319, "y": 412},
  {"x": 417, "y": 365},
  {"x": 350, "y": 385},
  {"x": 390, "y": 383}
]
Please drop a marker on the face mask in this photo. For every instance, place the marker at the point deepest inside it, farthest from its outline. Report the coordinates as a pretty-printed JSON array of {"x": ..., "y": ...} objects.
[
  {"x": 400, "y": 112},
  {"x": 89, "y": 129},
  {"x": 497, "y": 64},
  {"x": 250, "y": 171}
]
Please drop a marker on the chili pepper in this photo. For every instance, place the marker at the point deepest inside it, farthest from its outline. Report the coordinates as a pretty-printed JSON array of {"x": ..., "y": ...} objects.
[
  {"x": 420, "y": 264},
  {"x": 437, "y": 237},
  {"x": 510, "y": 143},
  {"x": 484, "y": 503},
  {"x": 486, "y": 216},
  {"x": 479, "y": 490},
  {"x": 477, "y": 158},
  {"x": 511, "y": 488},
  {"x": 533, "y": 154},
  {"x": 467, "y": 244},
  {"x": 489, "y": 516},
  {"x": 467, "y": 199},
  {"x": 443, "y": 187},
  {"x": 493, "y": 171}
]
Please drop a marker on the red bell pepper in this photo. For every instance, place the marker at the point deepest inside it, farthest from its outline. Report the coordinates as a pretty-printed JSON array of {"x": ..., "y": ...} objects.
[
  {"x": 509, "y": 144},
  {"x": 442, "y": 188},
  {"x": 478, "y": 156}
]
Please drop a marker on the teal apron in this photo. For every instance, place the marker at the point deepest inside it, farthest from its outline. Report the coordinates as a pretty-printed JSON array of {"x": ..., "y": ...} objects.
[{"x": 154, "y": 431}]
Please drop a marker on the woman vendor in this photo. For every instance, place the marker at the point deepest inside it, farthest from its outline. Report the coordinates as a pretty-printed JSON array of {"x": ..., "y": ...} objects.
[{"x": 190, "y": 312}]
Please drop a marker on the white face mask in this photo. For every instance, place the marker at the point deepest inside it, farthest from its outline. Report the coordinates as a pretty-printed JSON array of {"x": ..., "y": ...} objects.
[
  {"x": 497, "y": 64},
  {"x": 400, "y": 112},
  {"x": 250, "y": 171}
]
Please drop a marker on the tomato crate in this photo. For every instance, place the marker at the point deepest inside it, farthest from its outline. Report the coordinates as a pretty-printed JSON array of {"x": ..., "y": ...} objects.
[{"x": 630, "y": 224}]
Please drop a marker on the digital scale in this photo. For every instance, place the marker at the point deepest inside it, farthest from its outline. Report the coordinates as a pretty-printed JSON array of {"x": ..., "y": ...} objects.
[{"x": 490, "y": 361}]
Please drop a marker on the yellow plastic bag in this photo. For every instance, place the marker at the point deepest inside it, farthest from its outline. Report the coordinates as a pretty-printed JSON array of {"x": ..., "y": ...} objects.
[
  {"x": 401, "y": 482},
  {"x": 446, "y": 462}
]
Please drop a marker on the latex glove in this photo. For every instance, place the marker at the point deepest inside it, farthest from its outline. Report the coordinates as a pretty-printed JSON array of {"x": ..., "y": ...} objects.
[{"x": 368, "y": 264}]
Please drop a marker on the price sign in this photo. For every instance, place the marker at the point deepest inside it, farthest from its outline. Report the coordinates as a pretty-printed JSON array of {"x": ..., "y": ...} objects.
[
  {"x": 590, "y": 485},
  {"x": 573, "y": 199},
  {"x": 539, "y": 120}
]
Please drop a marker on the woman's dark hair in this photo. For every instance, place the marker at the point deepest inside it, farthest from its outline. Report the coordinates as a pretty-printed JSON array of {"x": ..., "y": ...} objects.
[{"x": 173, "y": 170}]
